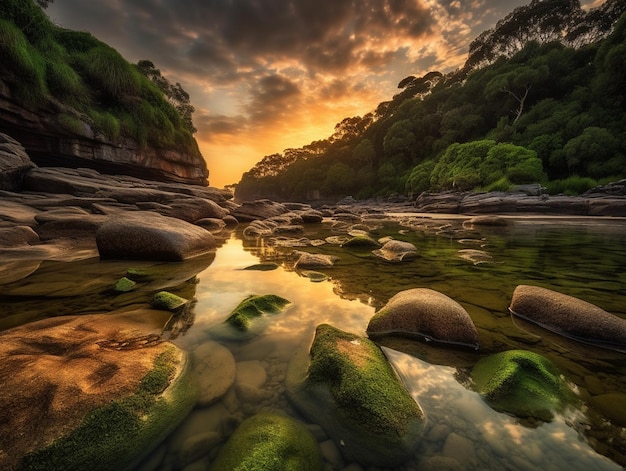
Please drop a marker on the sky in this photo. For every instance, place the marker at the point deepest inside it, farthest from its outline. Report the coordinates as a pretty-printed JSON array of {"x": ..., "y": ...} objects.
[{"x": 267, "y": 75}]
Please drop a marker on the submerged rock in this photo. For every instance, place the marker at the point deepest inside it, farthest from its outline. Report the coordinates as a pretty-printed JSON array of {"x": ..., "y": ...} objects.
[
  {"x": 426, "y": 314},
  {"x": 521, "y": 383},
  {"x": 315, "y": 260},
  {"x": 250, "y": 316},
  {"x": 270, "y": 441},
  {"x": 144, "y": 235},
  {"x": 346, "y": 386},
  {"x": 569, "y": 316},
  {"x": 100, "y": 392},
  {"x": 396, "y": 251},
  {"x": 215, "y": 367}
]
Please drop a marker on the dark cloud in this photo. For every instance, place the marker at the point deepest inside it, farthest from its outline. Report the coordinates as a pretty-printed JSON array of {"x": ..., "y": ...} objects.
[
  {"x": 272, "y": 98},
  {"x": 212, "y": 125}
]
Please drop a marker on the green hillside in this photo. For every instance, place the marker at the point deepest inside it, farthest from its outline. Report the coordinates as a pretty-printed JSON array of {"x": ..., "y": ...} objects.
[
  {"x": 540, "y": 99},
  {"x": 87, "y": 80}
]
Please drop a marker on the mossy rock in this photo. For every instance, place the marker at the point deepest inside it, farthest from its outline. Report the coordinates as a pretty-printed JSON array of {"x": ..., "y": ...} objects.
[
  {"x": 168, "y": 301},
  {"x": 270, "y": 441},
  {"x": 269, "y": 266},
  {"x": 100, "y": 393},
  {"x": 124, "y": 285},
  {"x": 314, "y": 276},
  {"x": 361, "y": 241},
  {"x": 346, "y": 385},
  {"x": 250, "y": 317},
  {"x": 521, "y": 383}
]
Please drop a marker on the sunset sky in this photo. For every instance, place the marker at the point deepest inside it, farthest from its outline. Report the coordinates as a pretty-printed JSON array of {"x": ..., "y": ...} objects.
[{"x": 265, "y": 75}]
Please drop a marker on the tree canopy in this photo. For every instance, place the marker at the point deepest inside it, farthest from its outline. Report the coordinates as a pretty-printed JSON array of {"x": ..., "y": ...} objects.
[{"x": 541, "y": 98}]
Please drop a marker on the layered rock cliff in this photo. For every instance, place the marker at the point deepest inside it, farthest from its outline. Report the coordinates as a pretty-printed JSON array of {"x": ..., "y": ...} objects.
[{"x": 49, "y": 143}]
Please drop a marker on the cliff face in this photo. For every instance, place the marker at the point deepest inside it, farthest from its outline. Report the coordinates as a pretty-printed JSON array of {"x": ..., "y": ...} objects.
[{"x": 48, "y": 143}]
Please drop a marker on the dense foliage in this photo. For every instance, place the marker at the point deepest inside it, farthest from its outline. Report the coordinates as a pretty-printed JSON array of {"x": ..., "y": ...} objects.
[
  {"x": 90, "y": 81},
  {"x": 541, "y": 98}
]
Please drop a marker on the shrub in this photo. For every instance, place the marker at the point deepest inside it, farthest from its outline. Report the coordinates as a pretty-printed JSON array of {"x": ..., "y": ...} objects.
[
  {"x": 71, "y": 123},
  {"x": 105, "y": 69},
  {"x": 571, "y": 186},
  {"x": 106, "y": 123},
  {"x": 64, "y": 83}
]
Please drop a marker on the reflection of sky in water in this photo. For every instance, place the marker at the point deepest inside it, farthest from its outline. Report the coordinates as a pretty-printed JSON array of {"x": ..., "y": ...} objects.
[
  {"x": 553, "y": 445},
  {"x": 224, "y": 284},
  {"x": 446, "y": 402}
]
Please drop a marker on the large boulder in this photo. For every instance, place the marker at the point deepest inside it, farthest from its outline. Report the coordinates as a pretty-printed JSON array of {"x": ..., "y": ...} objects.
[
  {"x": 270, "y": 441},
  {"x": 425, "y": 314},
  {"x": 569, "y": 316},
  {"x": 346, "y": 385},
  {"x": 521, "y": 383},
  {"x": 143, "y": 235},
  {"x": 14, "y": 163},
  {"x": 90, "y": 392}
]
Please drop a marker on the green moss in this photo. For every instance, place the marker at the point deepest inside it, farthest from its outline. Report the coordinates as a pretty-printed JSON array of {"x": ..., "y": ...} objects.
[
  {"x": 168, "y": 301},
  {"x": 113, "y": 436},
  {"x": 361, "y": 241},
  {"x": 361, "y": 380},
  {"x": 269, "y": 441},
  {"x": 522, "y": 383},
  {"x": 70, "y": 123},
  {"x": 263, "y": 266},
  {"x": 253, "y": 307},
  {"x": 123, "y": 285}
]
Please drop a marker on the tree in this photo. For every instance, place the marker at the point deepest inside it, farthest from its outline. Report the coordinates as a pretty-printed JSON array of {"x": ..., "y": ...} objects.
[{"x": 175, "y": 94}]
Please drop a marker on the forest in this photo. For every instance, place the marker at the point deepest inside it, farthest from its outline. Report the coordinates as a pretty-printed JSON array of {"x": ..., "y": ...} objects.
[{"x": 541, "y": 98}]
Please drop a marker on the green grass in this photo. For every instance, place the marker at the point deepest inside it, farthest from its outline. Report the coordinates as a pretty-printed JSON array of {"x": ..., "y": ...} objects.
[{"x": 571, "y": 186}]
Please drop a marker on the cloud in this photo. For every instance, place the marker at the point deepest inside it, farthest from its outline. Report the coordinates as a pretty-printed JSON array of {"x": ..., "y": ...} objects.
[{"x": 283, "y": 70}]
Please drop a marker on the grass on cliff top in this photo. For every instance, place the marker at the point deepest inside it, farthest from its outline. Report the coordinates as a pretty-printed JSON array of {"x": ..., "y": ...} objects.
[{"x": 42, "y": 61}]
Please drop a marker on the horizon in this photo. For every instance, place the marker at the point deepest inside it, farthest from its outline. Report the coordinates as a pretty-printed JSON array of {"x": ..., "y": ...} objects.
[{"x": 269, "y": 75}]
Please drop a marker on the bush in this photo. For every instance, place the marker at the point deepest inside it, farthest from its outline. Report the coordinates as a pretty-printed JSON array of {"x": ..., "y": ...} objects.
[
  {"x": 64, "y": 83},
  {"x": 419, "y": 178},
  {"x": 105, "y": 69},
  {"x": 571, "y": 186}
]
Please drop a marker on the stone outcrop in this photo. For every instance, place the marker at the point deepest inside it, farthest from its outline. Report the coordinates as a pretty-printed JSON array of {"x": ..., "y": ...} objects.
[
  {"x": 425, "y": 314},
  {"x": 396, "y": 251},
  {"x": 14, "y": 163},
  {"x": 596, "y": 202},
  {"x": 346, "y": 385},
  {"x": 569, "y": 316},
  {"x": 69, "y": 379},
  {"x": 48, "y": 143}
]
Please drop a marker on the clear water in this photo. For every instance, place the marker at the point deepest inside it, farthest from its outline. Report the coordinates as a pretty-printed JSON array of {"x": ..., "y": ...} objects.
[{"x": 582, "y": 258}]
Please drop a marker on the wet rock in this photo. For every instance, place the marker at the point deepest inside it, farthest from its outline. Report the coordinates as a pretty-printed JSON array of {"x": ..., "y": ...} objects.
[
  {"x": 612, "y": 405},
  {"x": 426, "y": 314},
  {"x": 216, "y": 369},
  {"x": 194, "y": 209},
  {"x": 314, "y": 276},
  {"x": 124, "y": 285},
  {"x": 259, "y": 209},
  {"x": 569, "y": 316},
  {"x": 475, "y": 256},
  {"x": 346, "y": 385},
  {"x": 270, "y": 441},
  {"x": 17, "y": 236},
  {"x": 269, "y": 266},
  {"x": 168, "y": 301},
  {"x": 361, "y": 241},
  {"x": 14, "y": 163},
  {"x": 101, "y": 375},
  {"x": 250, "y": 317},
  {"x": 522, "y": 383},
  {"x": 212, "y": 225},
  {"x": 314, "y": 260},
  {"x": 486, "y": 220},
  {"x": 396, "y": 251},
  {"x": 148, "y": 236},
  {"x": 68, "y": 222},
  {"x": 311, "y": 216}
]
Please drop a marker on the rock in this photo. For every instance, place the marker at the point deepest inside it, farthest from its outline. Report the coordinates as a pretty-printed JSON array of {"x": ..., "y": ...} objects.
[
  {"x": 396, "y": 251},
  {"x": 168, "y": 301},
  {"x": 148, "y": 236},
  {"x": 311, "y": 216},
  {"x": 486, "y": 220},
  {"x": 269, "y": 266},
  {"x": 212, "y": 225},
  {"x": 426, "y": 314},
  {"x": 18, "y": 236},
  {"x": 346, "y": 385},
  {"x": 314, "y": 276},
  {"x": 361, "y": 241},
  {"x": 613, "y": 406},
  {"x": 569, "y": 316},
  {"x": 14, "y": 163},
  {"x": 258, "y": 209},
  {"x": 194, "y": 209},
  {"x": 522, "y": 383},
  {"x": 71, "y": 222},
  {"x": 250, "y": 317},
  {"x": 124, "y": 285},
  {"x": 270, "y": 441},
  {"x": 216, "y": 369},
  {"x": 101, "y": 375},
  {"x": 475, "y": 256},
  {"x": 314, "y": 260}
]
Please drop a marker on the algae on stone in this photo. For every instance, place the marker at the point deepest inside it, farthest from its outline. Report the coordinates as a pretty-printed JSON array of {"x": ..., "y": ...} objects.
[
  {"x": 249, "y": 317},
  {"x": 347, "y": 386},
  {"x": 522, "y": 383},
  {"x": 168, "y": 301},
  {"x": 270, "y": 441}
]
